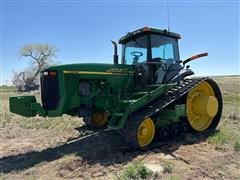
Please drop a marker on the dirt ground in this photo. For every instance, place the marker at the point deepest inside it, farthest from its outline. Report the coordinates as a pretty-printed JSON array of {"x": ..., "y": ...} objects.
[{"x": 64, "y": 148}]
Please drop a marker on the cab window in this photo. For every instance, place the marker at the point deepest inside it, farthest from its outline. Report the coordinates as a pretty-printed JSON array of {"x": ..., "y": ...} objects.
[
  {"x": 164, "y": 49},
  {"x": 136, "y": 50}
]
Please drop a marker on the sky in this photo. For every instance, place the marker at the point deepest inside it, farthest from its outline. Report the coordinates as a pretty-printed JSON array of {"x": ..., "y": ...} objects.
[{"x": 82, "y": 30}]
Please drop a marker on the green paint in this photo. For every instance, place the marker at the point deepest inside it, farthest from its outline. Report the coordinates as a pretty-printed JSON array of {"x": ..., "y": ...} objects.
[
  {"x": 169, "y": 116},
  {"x": 21, "y": 105}
]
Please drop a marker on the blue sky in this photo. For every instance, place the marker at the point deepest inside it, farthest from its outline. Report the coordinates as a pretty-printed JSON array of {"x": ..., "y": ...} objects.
[{"x": 82, "y": 30}]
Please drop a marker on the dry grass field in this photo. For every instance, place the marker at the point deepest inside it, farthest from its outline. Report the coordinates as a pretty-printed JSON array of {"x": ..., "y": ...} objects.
[{"x": 64, "y": 148}]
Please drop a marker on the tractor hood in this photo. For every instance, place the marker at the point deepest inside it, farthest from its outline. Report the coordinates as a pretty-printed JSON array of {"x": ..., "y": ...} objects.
[
  {"x": 66, "y": 87},
  {"x": 93, "y": 69}
]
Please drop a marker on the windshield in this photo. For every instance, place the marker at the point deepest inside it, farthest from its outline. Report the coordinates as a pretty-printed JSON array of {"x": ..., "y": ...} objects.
[
  {"x": 135, "y": 51},
  {"x": 152, "y": 47}
]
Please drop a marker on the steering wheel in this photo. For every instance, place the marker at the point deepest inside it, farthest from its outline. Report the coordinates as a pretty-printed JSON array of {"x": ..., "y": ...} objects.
[{"x": 136, "y": 54}]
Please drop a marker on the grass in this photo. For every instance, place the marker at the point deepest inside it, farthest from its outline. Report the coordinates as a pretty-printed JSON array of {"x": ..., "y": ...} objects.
[
  {"x": 237, "y": 145},
  {"x": 60, "y": 123},
  {"x": 231, "y": 99},
  {"x": 50, "y": 123},
  {"x": 135, "y": 171},
  {"x": 219, "y": 138},
  {"x": 233, "y": 115},
  {"x": 168, "y": 167},
  {"x": 225, "y": 138},
  {"x": 174, "y": 178},
  {"x": 7, "y": 89}
]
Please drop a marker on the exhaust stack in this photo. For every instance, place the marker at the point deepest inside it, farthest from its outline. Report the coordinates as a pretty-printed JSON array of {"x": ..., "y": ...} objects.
[{"x": 115, "y": 55}]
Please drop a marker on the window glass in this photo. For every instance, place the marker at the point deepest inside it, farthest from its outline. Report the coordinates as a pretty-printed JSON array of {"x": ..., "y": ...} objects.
[
  {"x": 164, "y": 48},
  {"x": 136, "y": 51},
  {"x": 163, "y": 52}
]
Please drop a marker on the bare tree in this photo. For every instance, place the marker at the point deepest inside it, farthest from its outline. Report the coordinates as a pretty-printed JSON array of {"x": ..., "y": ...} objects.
[
  {"x": 19, "y": 80},
  {"x": 41, "y": 56},
  {"x": 23, "y": 80}
]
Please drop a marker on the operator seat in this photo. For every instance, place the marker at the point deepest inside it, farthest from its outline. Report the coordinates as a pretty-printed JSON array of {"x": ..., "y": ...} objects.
[
  {"x": 160, "y": 73},
  {"x": 171, "y": 72}
]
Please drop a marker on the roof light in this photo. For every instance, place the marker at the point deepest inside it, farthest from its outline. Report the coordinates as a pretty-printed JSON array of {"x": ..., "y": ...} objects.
[{"x": 146, "y": 29}]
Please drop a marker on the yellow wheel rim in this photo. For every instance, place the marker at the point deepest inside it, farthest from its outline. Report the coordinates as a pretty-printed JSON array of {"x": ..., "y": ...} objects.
[
  {"x": 146, "y": 131},
  {"x": 201, "y": 106},
  {"x": 99, "y": 119}
]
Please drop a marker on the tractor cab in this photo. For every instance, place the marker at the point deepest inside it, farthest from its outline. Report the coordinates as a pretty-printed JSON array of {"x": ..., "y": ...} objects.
[{"x": 153, "y": 52}]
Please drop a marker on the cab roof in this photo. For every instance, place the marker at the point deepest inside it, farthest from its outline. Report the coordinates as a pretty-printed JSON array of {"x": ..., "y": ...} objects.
[{"x": 147, "y": 30}]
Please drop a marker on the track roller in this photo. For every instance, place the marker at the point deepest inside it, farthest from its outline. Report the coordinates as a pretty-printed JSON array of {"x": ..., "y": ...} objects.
[
  {"x": 185, "y": 128},
  {"x": 175, "y": 130},
  {"x": 164, "y": 133}
]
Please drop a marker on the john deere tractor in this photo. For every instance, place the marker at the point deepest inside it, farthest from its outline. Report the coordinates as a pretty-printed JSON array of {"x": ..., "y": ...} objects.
[{"x": 148, "y": 93}]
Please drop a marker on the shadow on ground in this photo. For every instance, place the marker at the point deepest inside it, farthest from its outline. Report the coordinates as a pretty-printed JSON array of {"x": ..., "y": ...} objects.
[{"x": 103, "y": 147}]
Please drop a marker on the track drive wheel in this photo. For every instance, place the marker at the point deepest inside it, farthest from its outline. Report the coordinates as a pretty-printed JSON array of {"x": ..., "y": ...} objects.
[
  {"x": 139, "y": 133},
  {"x": 98, "y": 119},
  {"x": 204, "y": 106}
]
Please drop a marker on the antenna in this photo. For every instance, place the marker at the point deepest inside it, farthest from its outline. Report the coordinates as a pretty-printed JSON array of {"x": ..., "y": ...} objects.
[{"x": 168, "y": 18}]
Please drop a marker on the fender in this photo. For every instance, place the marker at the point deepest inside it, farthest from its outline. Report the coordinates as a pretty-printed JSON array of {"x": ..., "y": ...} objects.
[{"x": 181, "y": 75}]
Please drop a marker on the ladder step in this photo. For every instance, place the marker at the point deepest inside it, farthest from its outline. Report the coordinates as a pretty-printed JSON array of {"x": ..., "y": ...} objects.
[
  {"x": 113, "y": 126},
  {"x": 124, "y": 101},
  {"x": 153, "y": 86},
  {"x": 140, "y": 93},
  {"x": 118, "y": 114}
]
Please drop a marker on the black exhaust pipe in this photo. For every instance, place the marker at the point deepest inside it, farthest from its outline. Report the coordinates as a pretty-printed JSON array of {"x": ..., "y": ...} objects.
[{"x": 115, "y": 55}]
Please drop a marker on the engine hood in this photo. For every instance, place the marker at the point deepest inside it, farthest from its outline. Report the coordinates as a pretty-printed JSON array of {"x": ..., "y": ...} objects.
[{"x": 93, "y": 69}]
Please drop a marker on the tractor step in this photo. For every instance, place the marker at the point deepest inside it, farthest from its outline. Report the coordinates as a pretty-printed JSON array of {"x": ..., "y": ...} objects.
[
  {"x": 140, "y": 93},
  {"x": 125, "y": 101},
  {"x": 153, "y": 86},
  {"x": 118, "y": 114}
]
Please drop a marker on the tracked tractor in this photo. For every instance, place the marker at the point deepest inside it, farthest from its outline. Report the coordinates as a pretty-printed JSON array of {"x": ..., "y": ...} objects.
[{"x": 150, "y": 93}]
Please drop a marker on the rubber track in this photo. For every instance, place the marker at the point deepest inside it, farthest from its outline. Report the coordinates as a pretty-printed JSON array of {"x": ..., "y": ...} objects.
[{"x": 167, "y": 98}]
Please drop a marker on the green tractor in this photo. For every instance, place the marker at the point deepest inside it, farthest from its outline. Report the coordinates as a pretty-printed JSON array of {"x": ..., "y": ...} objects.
[{"x": 149, "y": 93}]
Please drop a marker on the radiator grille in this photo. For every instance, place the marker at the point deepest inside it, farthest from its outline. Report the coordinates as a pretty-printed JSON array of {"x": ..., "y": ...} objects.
[{"x": 49, "y": 92}]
